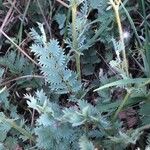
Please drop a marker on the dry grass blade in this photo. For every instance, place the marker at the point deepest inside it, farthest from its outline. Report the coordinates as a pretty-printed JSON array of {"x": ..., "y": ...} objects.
[
  {"x": 63, "y": 3},
  {"x": 7, "y": 17},
  {"x": 21, "y": 50}
]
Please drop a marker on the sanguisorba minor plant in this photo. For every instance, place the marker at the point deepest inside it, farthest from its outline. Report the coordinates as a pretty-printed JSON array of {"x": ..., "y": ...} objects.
[{"x": 76, "y": 123}]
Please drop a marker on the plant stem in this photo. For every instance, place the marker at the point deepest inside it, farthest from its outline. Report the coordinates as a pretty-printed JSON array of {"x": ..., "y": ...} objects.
[
  {"x": 22, "y": 21},
  {"x": 63, "y": 3},
  {"x": 18, "y": 128},
  {"x": 125, "y": 62},
  {"x": 121, "y": 106},
  {"x": 46, "y": 22},
  {"x": 147, "y": 52},
  {"x": 116, "y": 10},
  {"x": 4, "y": 83},
  {"x": 146, "y": 68},
  {"x": 74, "y": 38},
  {"x": 77, "y": 57}
]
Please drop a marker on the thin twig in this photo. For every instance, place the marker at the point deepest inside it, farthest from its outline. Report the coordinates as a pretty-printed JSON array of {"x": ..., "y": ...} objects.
[
  {"x": 22, "y": 21},
  {"x": 7, "y": 17},
  {"x": 63, "y": 3},
  {"x": 21, "y": 77},
  {"x": 32, "y": 118},
  {"x": 48, "y": 27},
  {"x": 32, "y": 121},
  {"x": 9, "y": 1},
  {"x": 21, "y": 50},
  {"x": 107, "y": 63}
]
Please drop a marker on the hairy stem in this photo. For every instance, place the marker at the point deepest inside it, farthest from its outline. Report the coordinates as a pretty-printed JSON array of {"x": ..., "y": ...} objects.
[
  {"x": 116, "y": 10},
  {"x": 18, "y": 128},
  {"x": 74, "y": 38},
  {"x": 125, "y": 62}
]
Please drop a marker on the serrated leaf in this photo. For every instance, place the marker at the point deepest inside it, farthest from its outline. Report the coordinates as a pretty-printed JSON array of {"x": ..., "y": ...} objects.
[
  {"x": 2, "y": 146},
  {"x": 32, "y": 103},
  {"x": 45, "y": 120},
  {"x": 85, "y": 144},
  {"x": 60, "y": 18},
  {"x": 1, "y": 72}
]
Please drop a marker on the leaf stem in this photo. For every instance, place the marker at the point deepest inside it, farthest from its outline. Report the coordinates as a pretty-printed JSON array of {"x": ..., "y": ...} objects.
[
  {"x": 115, "y": 6},
  {"x": 18, "y": 128},
  {"x": 74, "y": 38},
  {"x": 122, "y": 105}
]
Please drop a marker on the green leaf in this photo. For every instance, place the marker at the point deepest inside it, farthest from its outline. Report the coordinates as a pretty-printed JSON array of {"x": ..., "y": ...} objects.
[
  {"x": 85, "y": 144},
  {"x": 4, "y": 97},
  {"x": 53, "y": 64},
  {"x": 1, "y": 72},
  {"x": 98, "y": 4},
  {"x": 11, "y": 124},
  {"x": 1, "y": 4},
  {"x": 2, "y": 146},
  {"x": 32, "y": 103},
  {"x": 124, "y": 82},
  {"x": 45, "y": 120},
  {"x": 145, "y": 109},
  {"x": 60, "y": 18},
  {"x": 72, "y": 116}
]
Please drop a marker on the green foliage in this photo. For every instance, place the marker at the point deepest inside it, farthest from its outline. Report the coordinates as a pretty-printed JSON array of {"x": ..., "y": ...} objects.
[
  {"x": 85, "y": 114},
  {"x": 90, "y": 59},
  {"x": 61, "y": 18},
  {"x": 4, "y": 128},
  {"x": 78, "y": 95},
  {"x": 4, "y": 98},
  {"x": 85, "y": 144},
  {"x": 54, "y": 64},
  {"x": 16, "y": 64},
  {"x": 51, "y": 131},
  {"x": 145, "y": 112}
]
